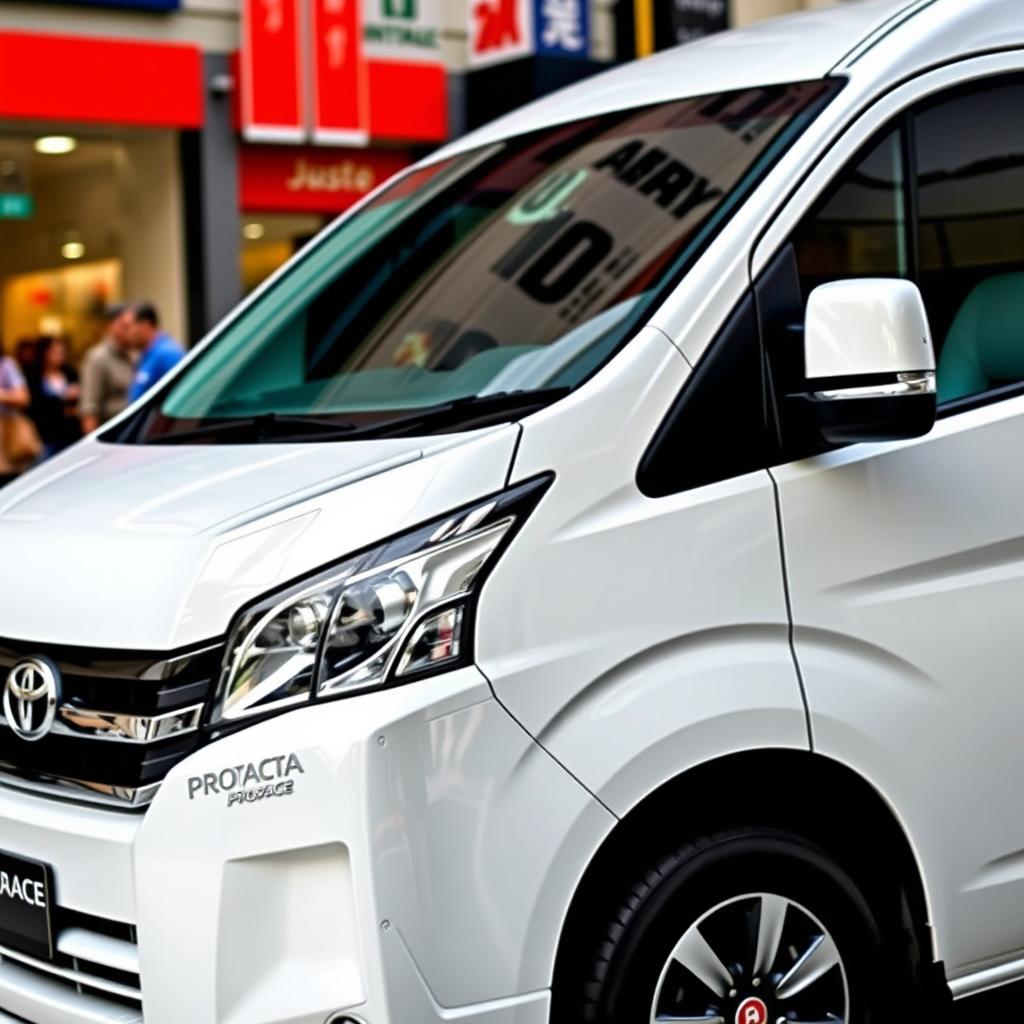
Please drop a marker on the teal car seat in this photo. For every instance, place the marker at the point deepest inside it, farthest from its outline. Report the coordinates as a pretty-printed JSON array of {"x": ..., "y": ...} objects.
[{"x": 985, "y": 345}]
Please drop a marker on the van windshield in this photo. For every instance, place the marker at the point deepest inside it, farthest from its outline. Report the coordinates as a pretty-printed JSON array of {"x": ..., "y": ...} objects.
[{"x": 485, "y": 285}]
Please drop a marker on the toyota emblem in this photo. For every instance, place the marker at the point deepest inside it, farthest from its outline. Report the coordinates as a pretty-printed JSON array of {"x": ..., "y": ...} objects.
[{"x": 31, "y": 696}]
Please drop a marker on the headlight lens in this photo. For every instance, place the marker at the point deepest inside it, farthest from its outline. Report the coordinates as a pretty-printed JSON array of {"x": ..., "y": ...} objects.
[{"x": 389, "y": 615}]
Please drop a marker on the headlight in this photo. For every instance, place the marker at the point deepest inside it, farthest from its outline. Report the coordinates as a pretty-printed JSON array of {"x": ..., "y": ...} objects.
[{"x": 392, "y": 614}]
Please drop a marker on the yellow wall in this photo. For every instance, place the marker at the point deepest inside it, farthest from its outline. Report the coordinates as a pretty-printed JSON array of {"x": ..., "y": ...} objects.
[
  {"x": 120, "y": 197},
  {"x": 745, "y": 12},
  {"x": 69, "y": 301}
]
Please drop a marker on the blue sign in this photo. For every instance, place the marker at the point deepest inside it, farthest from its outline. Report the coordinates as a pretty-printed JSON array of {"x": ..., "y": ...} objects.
[
  {"x": 16, "y": 206},
  {"x": 562, "y": 28}
]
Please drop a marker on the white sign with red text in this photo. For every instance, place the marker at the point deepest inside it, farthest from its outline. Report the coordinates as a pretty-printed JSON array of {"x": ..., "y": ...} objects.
[{"x": 403, "y": 30}]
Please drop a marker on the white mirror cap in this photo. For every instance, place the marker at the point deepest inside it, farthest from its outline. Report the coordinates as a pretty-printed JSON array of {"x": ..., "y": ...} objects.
[{"x": 867, "y": 325}]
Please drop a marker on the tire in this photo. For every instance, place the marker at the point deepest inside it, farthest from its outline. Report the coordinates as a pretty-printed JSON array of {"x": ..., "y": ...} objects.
[{"x": 651, "y": 961}]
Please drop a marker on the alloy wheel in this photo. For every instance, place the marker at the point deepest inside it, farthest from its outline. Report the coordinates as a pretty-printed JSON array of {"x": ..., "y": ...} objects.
[{"x": 754, "y": 959}]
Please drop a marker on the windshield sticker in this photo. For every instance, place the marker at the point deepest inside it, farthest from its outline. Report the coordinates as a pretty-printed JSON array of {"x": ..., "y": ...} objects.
[
  {"x": 598, "y": 229},
  {"x": 653, "y": 173},
  {"x": 547, "y": 200}
]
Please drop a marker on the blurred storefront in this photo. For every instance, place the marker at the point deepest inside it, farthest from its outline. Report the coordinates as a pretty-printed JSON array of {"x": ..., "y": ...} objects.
[
  {"x": 332, "y": 99},
  {"x": 645, "y": 26},
  {"x": 91, "y": 200},
  {"x": 179, "y": 151},
  {"x": 289, "y": 193}
]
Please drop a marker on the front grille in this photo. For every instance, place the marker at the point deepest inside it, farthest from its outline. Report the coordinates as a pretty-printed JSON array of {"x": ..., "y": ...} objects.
[
  {"x": 95, "y": 968},
  {"x": 124, "y": 720}
]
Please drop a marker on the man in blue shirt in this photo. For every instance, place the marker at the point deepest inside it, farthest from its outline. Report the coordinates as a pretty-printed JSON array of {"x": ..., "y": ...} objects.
[{"x": 159, "y": 353}]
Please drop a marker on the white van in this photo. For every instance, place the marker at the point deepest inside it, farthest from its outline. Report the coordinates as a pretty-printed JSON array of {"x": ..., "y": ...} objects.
[{"x": 574, "y": 590}]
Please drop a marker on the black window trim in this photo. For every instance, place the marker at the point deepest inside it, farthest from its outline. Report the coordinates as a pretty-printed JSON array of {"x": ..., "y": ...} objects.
[
  {"x": 968, "y": 403},
  {"x": 652, "y": 478}
]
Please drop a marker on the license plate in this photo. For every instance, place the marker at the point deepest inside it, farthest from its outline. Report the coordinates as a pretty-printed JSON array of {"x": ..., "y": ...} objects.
[{"x": 25, "y": 888}]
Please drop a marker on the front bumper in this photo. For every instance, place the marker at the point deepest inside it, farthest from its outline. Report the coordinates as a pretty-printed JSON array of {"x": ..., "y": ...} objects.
[{"x": 417, "y": 868}]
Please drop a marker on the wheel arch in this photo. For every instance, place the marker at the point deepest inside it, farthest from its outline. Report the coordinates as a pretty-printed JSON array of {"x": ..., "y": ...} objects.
[{"x": 834, "y": 806}]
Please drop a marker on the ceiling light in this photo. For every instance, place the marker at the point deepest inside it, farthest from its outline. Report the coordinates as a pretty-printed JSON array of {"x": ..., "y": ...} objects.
[
  {"x": 72, "y": 250},
  {"x": 253, "y": 231},
  {"x": 56, "y": 145}
]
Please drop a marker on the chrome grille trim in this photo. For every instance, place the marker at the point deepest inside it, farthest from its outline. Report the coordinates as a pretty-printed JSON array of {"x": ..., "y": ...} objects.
[
  {"x": 122, "y": 797},
  {"x": 96, "y": 948},
  {"x": 123, "y": 719},
  {"x": 106, "y": 725},
  {"x": 82, "y": 978},
  {"x": 86, "y": 724}
]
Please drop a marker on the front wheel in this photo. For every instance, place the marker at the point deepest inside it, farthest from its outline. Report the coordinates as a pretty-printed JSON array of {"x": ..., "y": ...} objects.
[{"x": 753, "y": 926}]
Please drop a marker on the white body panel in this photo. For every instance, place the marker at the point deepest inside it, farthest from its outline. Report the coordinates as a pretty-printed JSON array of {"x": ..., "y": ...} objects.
[
  {"x": 274, "y": 913},
  {"x": 628, "y": 688},
  {"x": 206, "y": 529},
  {"x": 94, "y": 850},
  {"x": 908, "y": 641},
  {"x": 336, "y": 854},
  {"x": 423, "y": 868},
  {"x": 917, "y": 660}
]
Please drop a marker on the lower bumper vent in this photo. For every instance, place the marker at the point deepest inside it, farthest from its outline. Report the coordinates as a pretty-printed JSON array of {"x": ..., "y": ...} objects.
[{"x": 94, "y": 977}]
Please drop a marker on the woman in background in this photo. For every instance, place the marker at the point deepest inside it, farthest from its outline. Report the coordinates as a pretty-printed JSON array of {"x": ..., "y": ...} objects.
[
  {"x": 14, "y": 397},
  {"x": 54, "y": 388},
  {"x": 25, "y": 355}
]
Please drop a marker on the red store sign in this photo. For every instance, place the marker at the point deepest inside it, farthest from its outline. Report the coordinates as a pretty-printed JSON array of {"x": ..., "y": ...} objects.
[
  {"x": 272, "y": 83},
  {"x": 306, "y": 74},
  {"x": 79, "y": 78},
  {"x": 341, "y": 104},
  {"x": 311, "y": 180}
]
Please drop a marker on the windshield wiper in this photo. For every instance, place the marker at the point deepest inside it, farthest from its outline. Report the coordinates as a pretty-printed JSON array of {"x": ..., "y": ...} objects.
[
  {"x": 280, "y": 426},
  {"x": 259, "y": 428},
  {"x": 462, "y": 412}
]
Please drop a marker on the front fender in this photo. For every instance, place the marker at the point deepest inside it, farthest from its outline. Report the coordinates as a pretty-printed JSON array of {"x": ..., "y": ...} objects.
[{"x": 675, "y": 707}]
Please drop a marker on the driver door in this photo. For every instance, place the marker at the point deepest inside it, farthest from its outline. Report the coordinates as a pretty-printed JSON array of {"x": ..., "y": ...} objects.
[{"x": 906, "y": 561}]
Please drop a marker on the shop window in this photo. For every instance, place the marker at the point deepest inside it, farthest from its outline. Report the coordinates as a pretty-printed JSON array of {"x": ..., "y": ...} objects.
[
  {"x": 270, "y": 239},
  {"x": 87, "y": 221}
]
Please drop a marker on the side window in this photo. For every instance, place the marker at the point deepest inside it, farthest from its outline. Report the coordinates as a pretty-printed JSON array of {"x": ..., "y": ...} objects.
[
  {"x": 969, "y": 152},
  {"x": 858, "y": 228}
]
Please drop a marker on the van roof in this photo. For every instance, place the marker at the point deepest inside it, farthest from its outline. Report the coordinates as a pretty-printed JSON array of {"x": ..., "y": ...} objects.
[{"x": 798, "y": 47}]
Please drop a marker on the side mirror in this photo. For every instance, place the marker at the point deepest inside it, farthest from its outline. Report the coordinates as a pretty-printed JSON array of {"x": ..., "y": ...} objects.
[{"x": 869, "y": 361}]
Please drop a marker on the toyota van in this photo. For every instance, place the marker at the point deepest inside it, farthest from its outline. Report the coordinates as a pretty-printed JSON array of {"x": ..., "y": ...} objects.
[{"x": 585, "y": 585}]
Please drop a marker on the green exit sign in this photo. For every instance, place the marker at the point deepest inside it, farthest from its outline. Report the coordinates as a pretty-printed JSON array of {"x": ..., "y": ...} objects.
[{"x": 16, "y": 206}]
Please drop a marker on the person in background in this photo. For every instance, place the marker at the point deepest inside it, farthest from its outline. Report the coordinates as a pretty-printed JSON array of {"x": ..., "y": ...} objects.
[
  {"x": 25, "y": 354},
  {"x": 108, "y": 370},
  {"x": 54, "y": 388},
  {"x": 14, "y": 397},
  {"x": 159, "y": 353}
]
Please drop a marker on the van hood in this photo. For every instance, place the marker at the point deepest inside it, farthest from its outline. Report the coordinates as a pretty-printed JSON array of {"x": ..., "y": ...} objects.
[{"x": 155, "y": 547}]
